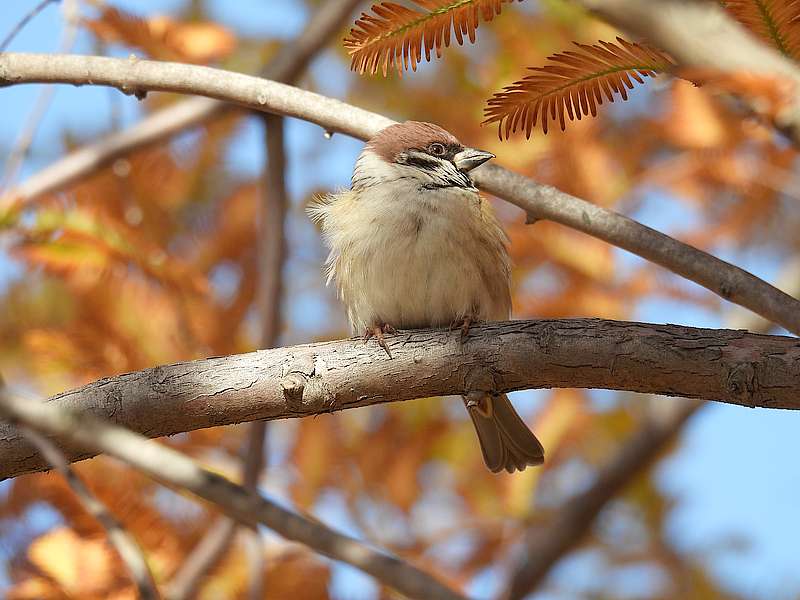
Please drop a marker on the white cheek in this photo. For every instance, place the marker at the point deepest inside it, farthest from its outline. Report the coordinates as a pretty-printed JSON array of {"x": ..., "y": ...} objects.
[{"x": 371, "y": 167}]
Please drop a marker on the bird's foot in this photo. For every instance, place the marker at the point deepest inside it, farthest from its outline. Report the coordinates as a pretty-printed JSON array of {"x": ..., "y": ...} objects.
[
  {"x": 377, "y": 332},
  {"x": 464, "y": 324}
]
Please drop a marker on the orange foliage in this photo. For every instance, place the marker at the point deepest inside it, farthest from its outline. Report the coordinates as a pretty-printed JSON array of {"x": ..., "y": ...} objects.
[
  {"x": 395, "y": 36},
  {"x": 573, "y": 85},
  {"x": 164, "y": 38}
]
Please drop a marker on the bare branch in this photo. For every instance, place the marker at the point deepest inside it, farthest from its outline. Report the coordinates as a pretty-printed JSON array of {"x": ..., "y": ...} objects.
[
  {"x": 126, "y": 546},
  {"x": 730, "y": 366},
  {"x": 543, "y": 548},
  {"x": 699, "y": 33},
  {"x": 539, "y": 201},
  {"x": 178, "y": 471},
  {"x": 287, "y": 65}
]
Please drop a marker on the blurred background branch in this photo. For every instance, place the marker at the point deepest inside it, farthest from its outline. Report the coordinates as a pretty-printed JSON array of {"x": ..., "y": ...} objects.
[
  {"x": 288, "y": 65},
  {"x": 180, "y": 472}
]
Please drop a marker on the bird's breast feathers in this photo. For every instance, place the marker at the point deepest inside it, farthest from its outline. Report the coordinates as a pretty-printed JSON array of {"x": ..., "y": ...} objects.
[{"x": 413, "y": 257}]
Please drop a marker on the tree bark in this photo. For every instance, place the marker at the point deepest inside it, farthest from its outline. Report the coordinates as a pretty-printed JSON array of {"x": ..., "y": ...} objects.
[{"x": 724, "y": 365}]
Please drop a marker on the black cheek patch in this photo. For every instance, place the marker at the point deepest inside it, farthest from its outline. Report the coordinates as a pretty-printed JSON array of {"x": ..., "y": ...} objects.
[{"x": 421, "y": 162}]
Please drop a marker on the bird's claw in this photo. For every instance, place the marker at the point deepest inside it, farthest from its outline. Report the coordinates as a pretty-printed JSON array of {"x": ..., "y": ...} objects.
[
  {"x": 463, "y": 324},
  {"x": 377, "y": 332}
]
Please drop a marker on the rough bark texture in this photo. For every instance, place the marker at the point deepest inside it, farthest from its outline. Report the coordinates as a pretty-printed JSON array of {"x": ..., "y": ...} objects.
[{"x": 729, "y": 366}]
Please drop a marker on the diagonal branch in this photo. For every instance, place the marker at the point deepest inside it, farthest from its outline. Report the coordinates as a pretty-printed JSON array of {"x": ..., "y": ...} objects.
[
  {"x": 542, "y": 548},
  {"x": 287, "y": 65},
  {"x": 736, "y": 367},
  {"x": 128, "y": 550},
  {"x": 537, "y": 200},
  {"x": 172, "y": 468}
]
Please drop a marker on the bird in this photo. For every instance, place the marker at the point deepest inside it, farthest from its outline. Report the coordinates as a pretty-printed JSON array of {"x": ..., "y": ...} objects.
[{"x": 414, "y": 245}]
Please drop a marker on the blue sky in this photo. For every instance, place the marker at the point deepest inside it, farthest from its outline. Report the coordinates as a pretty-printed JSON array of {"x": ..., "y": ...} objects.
[{"x": 735, "y": 473}]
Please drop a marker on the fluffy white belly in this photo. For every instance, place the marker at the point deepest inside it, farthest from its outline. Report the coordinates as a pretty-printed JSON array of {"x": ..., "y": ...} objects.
[{"x": 419, "y": 261}]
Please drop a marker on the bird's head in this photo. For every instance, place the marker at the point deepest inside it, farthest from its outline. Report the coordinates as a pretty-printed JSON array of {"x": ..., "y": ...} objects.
[{"x": 420, "y": 152}]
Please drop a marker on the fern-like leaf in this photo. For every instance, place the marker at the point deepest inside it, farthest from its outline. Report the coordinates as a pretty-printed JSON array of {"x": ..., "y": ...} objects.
[
  {"x": 776, "y": 21},
  {"x": 573, "y": 84},
  {"x": 394, "y": 36}
]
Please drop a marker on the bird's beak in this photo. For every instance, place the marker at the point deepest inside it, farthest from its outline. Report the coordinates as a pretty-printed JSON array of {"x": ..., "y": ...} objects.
[{"x": 469, "y": 158}]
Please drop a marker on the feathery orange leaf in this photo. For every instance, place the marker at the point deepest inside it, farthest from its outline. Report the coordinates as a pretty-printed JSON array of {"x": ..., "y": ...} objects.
[
  {"x": 572, "y": 85},
  {"x": 394, "y": 35},
  {"x": 776, "y": 21}
]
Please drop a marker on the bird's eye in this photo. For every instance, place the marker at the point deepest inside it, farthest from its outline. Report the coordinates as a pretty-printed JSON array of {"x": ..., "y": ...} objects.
[{"x": 437, "y": 149}]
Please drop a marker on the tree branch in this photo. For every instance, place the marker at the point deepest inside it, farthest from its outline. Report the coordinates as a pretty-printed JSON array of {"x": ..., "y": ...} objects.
[
  {"x": 288, "y": 63},
  {"x": 730, "y": 366},
  {"x": 180, "y": 472},
  {"x": 543, "y": 547},
  {"x": 123, "y": 542},
  {"x": 537, "y": 200},
  {"x": 699, "y": 33}
]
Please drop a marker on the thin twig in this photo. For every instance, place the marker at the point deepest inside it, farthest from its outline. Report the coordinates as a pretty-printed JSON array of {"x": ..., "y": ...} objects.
[
  {"x": 24, "y": 21},
  {"x": 177, "y": 470},
  {"x": 123, "y": 542},
  {"x": 201, "y": 560},
  {"x": 539, "y": 201},
  {"x": 288, "y": 64},
  {"x": 24, "y": 141},
  {"x": 253, "y": 466},
  {"x": 271, "y": 258},
  {"x": 292, "y": 382},
  {"x": 160, "y": 125}
]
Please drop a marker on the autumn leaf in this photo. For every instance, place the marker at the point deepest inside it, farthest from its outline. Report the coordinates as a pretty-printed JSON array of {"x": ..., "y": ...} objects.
[
  {"x": 394, "y": 36},
  {"x": 573, "y": 85},
  {"x": 164, "y": 38},
  {"x": 777, "y": 22}
]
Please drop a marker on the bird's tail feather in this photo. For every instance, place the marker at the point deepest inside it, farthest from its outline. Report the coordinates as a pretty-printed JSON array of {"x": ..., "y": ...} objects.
[{"x": 506, "y": 441}]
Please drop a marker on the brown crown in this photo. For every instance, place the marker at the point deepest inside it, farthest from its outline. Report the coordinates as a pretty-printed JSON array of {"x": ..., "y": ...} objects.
[{"x": 392, "y": 140}]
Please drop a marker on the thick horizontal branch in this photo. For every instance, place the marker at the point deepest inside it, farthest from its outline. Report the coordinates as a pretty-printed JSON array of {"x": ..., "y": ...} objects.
[
  {"x": 539, "y": 201},
  {"x": 729, "y": 366},
  {"x": 701, "y": 34}
]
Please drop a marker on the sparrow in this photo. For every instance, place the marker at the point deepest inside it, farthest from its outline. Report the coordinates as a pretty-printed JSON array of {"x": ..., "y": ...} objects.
[{"x": 414, "y": 245}]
